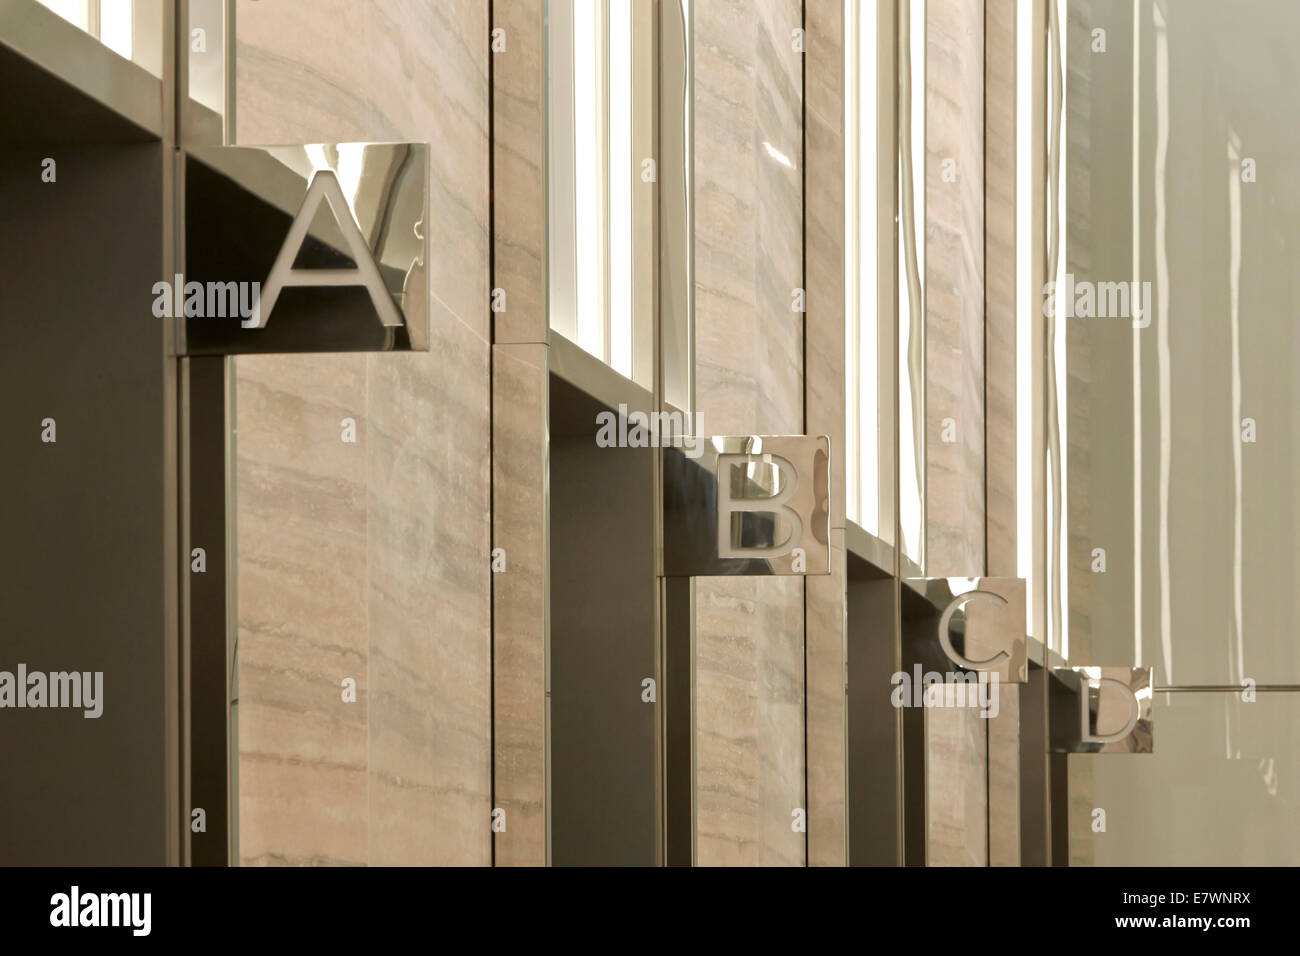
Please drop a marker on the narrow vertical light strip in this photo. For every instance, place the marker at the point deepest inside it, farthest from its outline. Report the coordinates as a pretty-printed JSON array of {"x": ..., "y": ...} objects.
[
  {"x": 349, "y": 165},
  {"x": 918, "y": 158},
  {"x": 1055, "y": 237},
  {"x": 1028, "y": 295},
  {"x": 1234, "y": 317},
  {"x": 115, "y": 26},
  {"x": 1060, "y": 343},
  {"x": 853, "y": 491},
  {"x": 561, "y": 228},
  {"x": 1137, "y": 336},
  {"x": 867, "y": 355},
  {"x": 911, "y": 312},
  {"x": 1162, "y": 330},
  {"x": 76, "y": 12},
  {"x": 620, "y": 186},
  {"x": 1236, "y": 661},
  {"x": 602, "y": 184},
  {"x": 908, "y": 513},
  {"x": 688, "y": 186},
  {"x": 905, "y": 471},
  {"x": 587, "y": 152}
]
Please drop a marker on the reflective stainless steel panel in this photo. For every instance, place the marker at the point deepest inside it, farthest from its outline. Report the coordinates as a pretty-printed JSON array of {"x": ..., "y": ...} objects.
[
  {"x": 970, "y": 624},
  {"x": 1101, "y": 710},
  {"x": 325, "y": 246},
  {"x": 747, "y": 505}
]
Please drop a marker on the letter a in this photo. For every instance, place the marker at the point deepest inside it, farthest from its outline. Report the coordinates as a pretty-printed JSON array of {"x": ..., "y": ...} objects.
[{"x": 324, "y": 185}]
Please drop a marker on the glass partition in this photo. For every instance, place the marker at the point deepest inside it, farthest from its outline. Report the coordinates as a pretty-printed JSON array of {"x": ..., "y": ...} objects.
[
  {"x": 911, "y": 277},
  {"x": 1173, "y": 413},
  {"x": 130, "y": 28},
  {"x": 884, "y": 168},
  {"x": 602, "y": 173},
  {"x": 1176, "y": 346},
  {"x": 747, "y": 189},
  {"x": 1219, "y": 790},
  {"x": 207, "y": 54}
]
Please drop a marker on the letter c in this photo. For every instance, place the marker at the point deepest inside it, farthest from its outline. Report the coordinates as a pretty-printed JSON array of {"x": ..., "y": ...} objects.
[{"x": 945, "y": 641}]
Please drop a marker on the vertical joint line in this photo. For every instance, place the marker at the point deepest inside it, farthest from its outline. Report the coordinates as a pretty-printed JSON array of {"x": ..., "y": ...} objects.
[{"x": 492, "y": 337}]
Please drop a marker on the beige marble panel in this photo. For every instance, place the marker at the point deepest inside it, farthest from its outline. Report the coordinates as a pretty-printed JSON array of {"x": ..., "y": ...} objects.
[
  {"x": 519, "y": 170},
  {"x": 1083, "y": 801},
  {"x": 302, "y": 610},
  {"x": 1000, "y": 283},
  {"x": 749, "y": 380},
  {"x": 278, "y": 827},
  {"x": 429, "y": 64},
  {"x": 301, "y": 72},
  {"x": 430, "y": 723},
  {"x": 748, "y": 215},
  {"x": 824, "y": 386},
  {"x": 520, "y": 390},
  {"x": 956, "y": 745},
  {"x": 826, "y": 624},
  {"x": 520, "y": 421},
  {"x": 954, "y": 270},
  {"x": 1004, "y": 778},
  {"x": 1091, "y": 442},
  {"x": 956, "y": 785},
  {"x": 749, "y": 721},
  {"x": 1000, "y": 397},
  {"x": 415, "y": 615},
  {"x": 430, "y": 667}
]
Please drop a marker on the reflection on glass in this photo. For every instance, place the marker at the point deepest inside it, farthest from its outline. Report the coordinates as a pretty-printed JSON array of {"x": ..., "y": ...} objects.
[
  {"x": 76, "y": 12},
  {"x": 911, "y": 289},
  {"x": 207, "y": 54},
  {"x": 588, "y": 172},
  {"x": 621, "y": 175},
  {"x": 130, "y": 28},
  {"x": 1172, "y": 343},
  {"x": 1028, "y": 302},
  {"x": 1175, "y": 341},
  {"x": 1218, "y": 790},
  {"x": 115, "y": 26},
  {"x": 593, "y": 175},
  {"x": 1058, "y": 564}
]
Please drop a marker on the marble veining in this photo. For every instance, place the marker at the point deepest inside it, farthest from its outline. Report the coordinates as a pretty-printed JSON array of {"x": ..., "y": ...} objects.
[
  {"x": 749, "y": 368},
  {"x": 369, "y": 559}
]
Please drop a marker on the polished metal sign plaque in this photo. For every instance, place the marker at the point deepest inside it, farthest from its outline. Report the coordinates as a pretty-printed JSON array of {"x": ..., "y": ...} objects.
[
  {"x": 970, "y": 624},
  {"x": 747, "y": 505},
  {"x": 1101, "y": 710},
  {"x": 317, "y": 248}
]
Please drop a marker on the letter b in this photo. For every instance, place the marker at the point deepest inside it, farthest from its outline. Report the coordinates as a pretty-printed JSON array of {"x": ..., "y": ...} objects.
[{"x": 786, "y": 482}]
